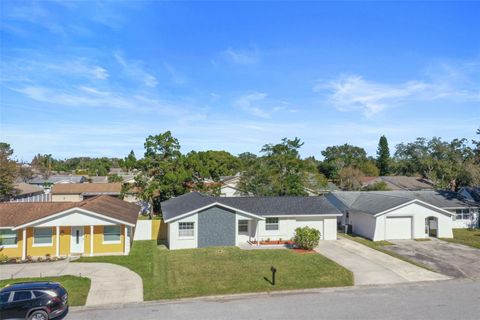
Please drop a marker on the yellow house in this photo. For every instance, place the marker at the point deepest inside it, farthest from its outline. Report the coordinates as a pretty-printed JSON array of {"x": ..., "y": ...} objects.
[{"x": 101, "y": 225}]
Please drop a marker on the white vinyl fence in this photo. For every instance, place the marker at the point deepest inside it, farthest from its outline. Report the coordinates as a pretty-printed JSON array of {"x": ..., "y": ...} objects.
[{"x": 143, "y": 231}]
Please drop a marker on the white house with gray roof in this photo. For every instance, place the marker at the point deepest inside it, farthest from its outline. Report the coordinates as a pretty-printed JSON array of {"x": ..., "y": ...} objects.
[
  {"x": 392, "y": 215},
  {"x": 195, "y": 220}
]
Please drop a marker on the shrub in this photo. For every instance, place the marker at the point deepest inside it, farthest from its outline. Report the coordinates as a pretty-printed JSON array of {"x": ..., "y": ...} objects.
[
  {"x": 306, "y": 238},
  {"x": 3, "y": 258}
]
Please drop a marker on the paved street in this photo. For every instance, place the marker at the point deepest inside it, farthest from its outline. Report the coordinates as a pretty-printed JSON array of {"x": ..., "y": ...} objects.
[
  {"x": 453, "y": 299},
  {"x": 371, "y": 266}
]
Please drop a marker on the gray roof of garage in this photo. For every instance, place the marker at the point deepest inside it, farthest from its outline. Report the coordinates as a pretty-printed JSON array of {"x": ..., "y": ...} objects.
[
  {"x": 374, "y": 202},
  {"x": 261, "y": 206}
]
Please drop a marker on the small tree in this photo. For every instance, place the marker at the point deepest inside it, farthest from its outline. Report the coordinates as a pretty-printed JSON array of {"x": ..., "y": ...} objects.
[
  {"x": 383, "y": 159},
  {"x": 306, "y": 238}
]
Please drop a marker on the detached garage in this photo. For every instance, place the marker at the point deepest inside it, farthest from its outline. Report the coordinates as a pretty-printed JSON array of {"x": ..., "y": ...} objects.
[{"x": 391, "y": 215}]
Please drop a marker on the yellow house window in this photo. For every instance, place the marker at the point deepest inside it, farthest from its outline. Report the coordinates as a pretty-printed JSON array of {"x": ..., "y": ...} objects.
[
  {"x": 111, "y": 234},
  {"x": 8, "y": 238},
  {"x": 42, "y": 237}
]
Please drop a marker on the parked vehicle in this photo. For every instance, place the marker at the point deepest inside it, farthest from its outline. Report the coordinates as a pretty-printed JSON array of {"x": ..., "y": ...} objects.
[{"x": 33, "y": 301}]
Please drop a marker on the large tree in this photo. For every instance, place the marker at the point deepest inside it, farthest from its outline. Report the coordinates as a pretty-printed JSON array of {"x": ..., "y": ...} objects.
[
  {"x": 163, "y": 173},
  {"x": 383, "y": 156},
  {"x": 449, "y": 165},
  {"x": 338, "y": 157},
  {"x": 129, "y": 162},
  {"x": 8, "y": 172},
  {"x": 280, "y": 171}
]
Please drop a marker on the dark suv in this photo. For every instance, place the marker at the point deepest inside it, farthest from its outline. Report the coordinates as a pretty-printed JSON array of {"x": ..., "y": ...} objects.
[{"x": 33, "y": 300}]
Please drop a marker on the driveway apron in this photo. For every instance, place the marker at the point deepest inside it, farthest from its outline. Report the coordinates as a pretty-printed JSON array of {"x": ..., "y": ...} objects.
[
  {"x": 372, "y": 267},
  {"x": 454, "y": 260},
  {"x": 110, "y": 283}
]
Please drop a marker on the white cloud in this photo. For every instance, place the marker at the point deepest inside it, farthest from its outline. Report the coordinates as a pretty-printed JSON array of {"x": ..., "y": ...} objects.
[
  {"x": 249, "y": 103},
  {"x": 135, "y": 70},
  {"x": 443, "y": 81},
  {"x": 84, "y": 96},
  {"x": 242, "y": 57}
]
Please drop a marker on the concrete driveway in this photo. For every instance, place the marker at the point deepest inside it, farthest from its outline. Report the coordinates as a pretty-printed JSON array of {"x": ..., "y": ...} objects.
[
  {"x": 110, "y": 283},
  {"x": 372, "y": 267},
  {"x": 454, "y": 260}
]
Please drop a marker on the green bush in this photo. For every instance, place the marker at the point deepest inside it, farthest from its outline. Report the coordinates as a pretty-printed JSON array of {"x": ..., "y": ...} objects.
[{"x": 306, "y": 238}]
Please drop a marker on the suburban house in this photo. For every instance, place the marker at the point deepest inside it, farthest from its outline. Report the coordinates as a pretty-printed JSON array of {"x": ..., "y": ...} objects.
[
  {"x": 24, "y": 190},
  {"x": 81, "y": 191},
  {"x": 399, "y": 183},
  {"x": 195, "y": 220},
  {"x": 392, "y": 215},
  {"x": 56, "y": 179},
  {"x": 101, "y": 225}
]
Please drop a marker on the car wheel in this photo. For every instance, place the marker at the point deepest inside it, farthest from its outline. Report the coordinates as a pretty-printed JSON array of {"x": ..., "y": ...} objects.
[{"x": 38, "y": 315}]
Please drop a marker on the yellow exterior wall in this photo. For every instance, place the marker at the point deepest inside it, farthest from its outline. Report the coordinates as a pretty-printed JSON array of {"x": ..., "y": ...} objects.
[
  {"x": 14, "y": 252},
  {"x": 65, "y": 238},
  {"x": 65, "y": 233},
  {"x": 40, "y": 251},
  {"x": 99, "y": 247},
  {"x": 86, "y": 237}
]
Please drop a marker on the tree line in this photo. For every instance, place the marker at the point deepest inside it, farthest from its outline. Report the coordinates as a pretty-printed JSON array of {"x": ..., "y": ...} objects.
[{"x": 164, "y": 171}]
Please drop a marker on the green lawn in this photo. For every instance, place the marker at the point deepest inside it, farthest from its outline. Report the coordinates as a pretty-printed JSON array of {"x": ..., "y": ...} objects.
[
  {"x": 381, "y": 246},
  {"x": 77, "y": 287},
  {"x": 197, "y": 272},
  {"x": 469, "y": 237}
]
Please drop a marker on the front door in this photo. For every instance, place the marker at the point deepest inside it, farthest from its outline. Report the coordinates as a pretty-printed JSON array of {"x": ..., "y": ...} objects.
[{"x": 77, "y": 239}]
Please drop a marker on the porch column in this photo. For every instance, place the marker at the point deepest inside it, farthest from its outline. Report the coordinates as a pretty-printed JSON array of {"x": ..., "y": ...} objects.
[
  {"x": 57, "y": 241},
  {"x": 91, "y": 240},
  {"x": 24, "y": 243},
  {"x": 127, "y": 240},
  {"x": 256, "y": 234}
]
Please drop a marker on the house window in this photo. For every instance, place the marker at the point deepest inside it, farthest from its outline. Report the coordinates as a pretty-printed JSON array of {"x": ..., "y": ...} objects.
[
  {"x": 271, "y": 224},
  {"x": 8, "y": 238},
  {"x": 242, "y": 225},
  {"x": 111, "y": 234},
  {"x": 463, "y": 214},
  {"x": 42, "y": 237},
  {"x": 185, "y": 229}
]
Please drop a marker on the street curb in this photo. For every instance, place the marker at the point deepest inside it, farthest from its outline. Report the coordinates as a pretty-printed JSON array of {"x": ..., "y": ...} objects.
[{"x": 240, "y": 296}]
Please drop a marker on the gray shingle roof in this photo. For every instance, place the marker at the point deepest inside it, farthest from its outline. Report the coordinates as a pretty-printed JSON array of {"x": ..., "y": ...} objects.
[
  {"x": 262, "y": 206},
  {"x": 377, "y": 201}
]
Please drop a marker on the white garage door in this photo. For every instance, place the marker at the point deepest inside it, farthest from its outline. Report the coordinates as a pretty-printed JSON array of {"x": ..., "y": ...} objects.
[{"x": 398, "y": 228}]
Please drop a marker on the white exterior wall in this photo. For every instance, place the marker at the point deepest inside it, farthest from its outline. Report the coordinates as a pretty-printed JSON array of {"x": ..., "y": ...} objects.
[
  {"x": 228, "y": 191},
  {"x": 418, "y": 213},
  {"x": 286, "y": 227},
  {"x": 176, "y": 242},
  {"x": 66, "y": 197},
  {"x": 363, "y": 224}
]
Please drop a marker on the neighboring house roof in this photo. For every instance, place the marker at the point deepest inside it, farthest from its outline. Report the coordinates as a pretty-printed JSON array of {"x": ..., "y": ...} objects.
[
  {"x": 260, "y": 206},
  {"x": 27, "y": 189},
  {"x": 87, "y": 188},
  {"x": 399, "y": 182},
  {"x": 471, "y": 193},
  {"x": 58, "y": 179},
  {"x": 13, "y": 214},
  {"x": 373, "y": 202}
]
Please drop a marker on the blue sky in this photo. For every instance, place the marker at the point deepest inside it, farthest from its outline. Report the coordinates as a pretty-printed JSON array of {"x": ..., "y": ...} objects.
[{"x": 96, "y": 78}]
